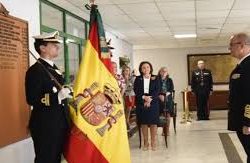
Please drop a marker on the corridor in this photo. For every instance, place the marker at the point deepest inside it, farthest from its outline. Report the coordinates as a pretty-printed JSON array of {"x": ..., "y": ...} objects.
[{"x": 196, "y": 142}]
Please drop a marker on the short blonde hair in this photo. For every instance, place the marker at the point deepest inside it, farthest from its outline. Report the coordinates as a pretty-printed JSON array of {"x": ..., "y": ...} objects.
[{"x": 161, "y": 69}]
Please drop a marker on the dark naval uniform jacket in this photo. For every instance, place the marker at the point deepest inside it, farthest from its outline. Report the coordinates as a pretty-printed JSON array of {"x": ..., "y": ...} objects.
[
  {"x": 239, "y": 97},
  {"x": 202, "y": 80},
  {"x": 49, "y": 120},
  {"x": 42, "y": 94}
]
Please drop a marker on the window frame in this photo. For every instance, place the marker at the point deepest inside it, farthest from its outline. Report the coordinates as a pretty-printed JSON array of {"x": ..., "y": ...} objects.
[{"x": 81, "y": 42}]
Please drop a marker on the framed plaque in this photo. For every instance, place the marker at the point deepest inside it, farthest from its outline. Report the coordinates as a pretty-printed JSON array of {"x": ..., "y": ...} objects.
[
  {"x": 14, "y": 62},
  {"x": 220, "y": 64}
]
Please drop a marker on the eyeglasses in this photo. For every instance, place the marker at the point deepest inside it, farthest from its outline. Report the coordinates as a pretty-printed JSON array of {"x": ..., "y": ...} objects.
[{"x": 235, "y": 43}]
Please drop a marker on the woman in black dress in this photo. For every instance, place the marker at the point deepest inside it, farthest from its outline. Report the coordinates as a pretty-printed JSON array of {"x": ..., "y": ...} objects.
[{"x": 147, "y": 88}]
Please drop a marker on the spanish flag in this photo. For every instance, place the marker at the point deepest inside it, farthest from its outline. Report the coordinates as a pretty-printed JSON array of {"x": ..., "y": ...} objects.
[{"x": 99, "y": 132}]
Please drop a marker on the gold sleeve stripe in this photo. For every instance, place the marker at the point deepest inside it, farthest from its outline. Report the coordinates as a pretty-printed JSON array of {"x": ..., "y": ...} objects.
[
  {"x": 45, "y": 100},
  {"x": 247, "y": 111}
]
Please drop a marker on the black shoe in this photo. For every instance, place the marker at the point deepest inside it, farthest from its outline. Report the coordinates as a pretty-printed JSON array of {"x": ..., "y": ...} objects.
[{"x": 206, "y": 118}]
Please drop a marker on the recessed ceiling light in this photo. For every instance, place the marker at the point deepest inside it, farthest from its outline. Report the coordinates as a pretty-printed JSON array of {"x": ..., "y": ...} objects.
[
  {"x": 186, "y": 36},
  {"x": 211, "y": 28}
]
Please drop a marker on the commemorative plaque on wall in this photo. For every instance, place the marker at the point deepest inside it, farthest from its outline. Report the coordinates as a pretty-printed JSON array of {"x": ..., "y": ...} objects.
[{"x": 14, "y": 62}]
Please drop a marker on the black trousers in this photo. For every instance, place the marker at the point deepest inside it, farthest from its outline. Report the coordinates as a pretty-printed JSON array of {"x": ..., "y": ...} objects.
[
  {"x": 202, "y": 104},
  {"x": 48, "y": 144},
  {"x": 245, "y": 141}
]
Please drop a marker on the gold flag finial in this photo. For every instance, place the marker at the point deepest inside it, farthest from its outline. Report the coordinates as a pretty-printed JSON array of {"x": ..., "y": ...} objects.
[{"x": 92, "y": 2}]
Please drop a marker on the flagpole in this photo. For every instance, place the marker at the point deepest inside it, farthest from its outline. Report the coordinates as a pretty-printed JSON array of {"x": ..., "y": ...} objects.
[{"x": 100, "y": 116}]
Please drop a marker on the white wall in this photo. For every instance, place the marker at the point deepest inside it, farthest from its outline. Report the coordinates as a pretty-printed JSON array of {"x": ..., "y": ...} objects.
[
  {"x": 22, "y": 152},
  {"x": 122, "y": 48},
  {"x": 176, "y": 62}
]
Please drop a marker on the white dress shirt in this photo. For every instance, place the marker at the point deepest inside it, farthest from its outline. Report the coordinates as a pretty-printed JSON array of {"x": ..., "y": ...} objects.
[{"x": 146, "y": 85}]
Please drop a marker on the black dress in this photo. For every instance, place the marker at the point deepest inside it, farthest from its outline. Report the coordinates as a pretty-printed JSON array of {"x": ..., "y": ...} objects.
[{"x": 147, "y": 115}]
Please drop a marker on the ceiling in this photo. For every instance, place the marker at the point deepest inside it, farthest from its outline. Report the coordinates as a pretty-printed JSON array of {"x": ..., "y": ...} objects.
[{"x": 153, "y": 23}]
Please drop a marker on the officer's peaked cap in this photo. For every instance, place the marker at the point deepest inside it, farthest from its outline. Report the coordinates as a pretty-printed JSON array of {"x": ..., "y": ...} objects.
[
  {"x": 49, "y": 37},
  {"x": 200, "y": 62}
]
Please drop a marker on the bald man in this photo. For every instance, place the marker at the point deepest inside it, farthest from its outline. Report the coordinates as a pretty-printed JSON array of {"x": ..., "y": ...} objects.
[
  {"x": 202, "y": 87},
  {"x": 239, "y": 97}
]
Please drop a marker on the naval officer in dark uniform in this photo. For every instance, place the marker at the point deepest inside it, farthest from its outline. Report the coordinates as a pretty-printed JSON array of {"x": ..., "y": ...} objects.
[
  {"x": 202, "y": 87},
  {"x": 239, "y": 97},
  {"x": 49, "y": 117}
]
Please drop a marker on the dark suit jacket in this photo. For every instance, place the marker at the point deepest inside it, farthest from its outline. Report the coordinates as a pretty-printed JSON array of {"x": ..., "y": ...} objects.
[
  {"x": 154, "y": 90},
  {"x": 239, "y": 97}
]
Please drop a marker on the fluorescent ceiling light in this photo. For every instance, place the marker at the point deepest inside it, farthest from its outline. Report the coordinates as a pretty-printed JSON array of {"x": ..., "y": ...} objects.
[{"x": 186, "y": 36}]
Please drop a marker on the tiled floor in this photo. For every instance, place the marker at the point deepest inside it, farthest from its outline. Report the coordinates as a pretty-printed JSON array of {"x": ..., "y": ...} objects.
[{"x": 196, "y": 142}]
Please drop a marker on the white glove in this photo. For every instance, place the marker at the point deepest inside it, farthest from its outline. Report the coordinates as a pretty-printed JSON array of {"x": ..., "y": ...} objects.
[
  {"x": 63, "y": 94},
  {"x": 168, "y": 93}
]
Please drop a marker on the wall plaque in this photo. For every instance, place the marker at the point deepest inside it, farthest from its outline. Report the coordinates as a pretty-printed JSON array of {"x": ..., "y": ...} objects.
[
  {"x": 220, "y": 64},
  {"x": 14, "y": 111}
]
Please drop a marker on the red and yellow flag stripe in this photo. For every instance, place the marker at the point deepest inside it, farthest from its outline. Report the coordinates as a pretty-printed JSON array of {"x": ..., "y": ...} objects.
[{"x": 85, "y": 144}]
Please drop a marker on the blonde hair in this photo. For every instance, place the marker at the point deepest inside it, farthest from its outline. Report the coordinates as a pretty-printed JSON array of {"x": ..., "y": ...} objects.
[
  {"x": 124, "y": 67},
  {"x": 161, "y": 69}
]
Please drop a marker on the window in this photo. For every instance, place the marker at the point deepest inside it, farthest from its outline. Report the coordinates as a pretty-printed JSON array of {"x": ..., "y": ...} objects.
[
  {"x": 59, "y": 61},
  {"x": 75, "y": 27},
  {"x": 51, "y": 17},
  {"x": 73, "y": 50},
  {"x": 73, "y": 32}
]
